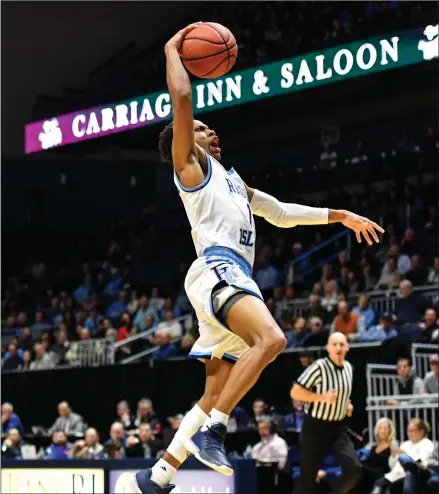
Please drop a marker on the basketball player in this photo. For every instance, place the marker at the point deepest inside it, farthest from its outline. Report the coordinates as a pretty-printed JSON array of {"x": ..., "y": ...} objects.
[{"x": 238, "y": 336}]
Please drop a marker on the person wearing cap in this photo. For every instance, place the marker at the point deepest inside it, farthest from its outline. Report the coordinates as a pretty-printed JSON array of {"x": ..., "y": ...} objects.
[
  {"x": 431, "y": 379},
  {"x": 382, "y": 331}
]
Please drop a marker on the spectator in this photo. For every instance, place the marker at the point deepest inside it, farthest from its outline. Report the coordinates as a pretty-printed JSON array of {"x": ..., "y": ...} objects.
[
  {"x": 169, "y": 306},
  {"x": 241, "y": 417},
  {"x": 144, "y": 310},
  {"x": 272, "y": 448},
  {"x": 295, "y": 418},
  {"x": 118, "y": 306},
  {"x": 295, "y": 338},
  {"x": 403, "y": 263},
  {"x": 90, "y": 448},
  {"x": 298, "y": 269},
  {"x": 327, "y": 276},
  {"x": 133, "y": 304},
  {"x": 68, "y": 421},
  {"x": 11, "y": 447},
  {"x": 115, "y": 445},
  {"x": 375, "y": 458},
  {"x": 383, "y": 331},
  {"x": 417, "y": 274},
  {"x": 364, "y": 311},
  {"x": 93, "y": 321},
  {"x": 170, "y": 325},
  {"x": 404, "y": 471},
  {"x": 12, "y": 361},
  {"x": 84, "y": 291},
  {"x": 10, "y": 420},
  {"x": 347, "y": 282},
  {"x": 14, "y": 341},
  {"x": 387, "y": 275},
  {"x": 318, "y": 335},
  {"x": 429, "y": 328},
  {"x": 166, "y": 348},
  {"x": 315, "y": 309},
  {"x": 329, "y": 301},
  {"x": 306, "y": 358},
  {"x": 26, "y": 340},
  {"x": 42, "y": 359},
  {"x": 259, "y": 410},
  {"x": 59, "y": 449},
  {"x": 409, "y": 245},
  {"x": 266, "y": 276},
  {"x": 123, "y": 331},
  {"x": 347, "y": 322},
  {"x": 433, "y": 272},
  {"x": 367, "y": 280},
  {"x": 124, "y": 416},
  {"x": 61, "y": 347},
  {"x": 147, "y": 446},
  {"x": 431, "y": 379},
  {"x": 27, "y": 359},
  {"x": 146, "y": 415},
  {"x": 408, "y": 384},
  {"x": 156, "y": 302},
  {"x": 409, "y": 308}
]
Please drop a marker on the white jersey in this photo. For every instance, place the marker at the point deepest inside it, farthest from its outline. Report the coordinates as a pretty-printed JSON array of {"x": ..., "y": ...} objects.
[{"x": 219, "y": 212}]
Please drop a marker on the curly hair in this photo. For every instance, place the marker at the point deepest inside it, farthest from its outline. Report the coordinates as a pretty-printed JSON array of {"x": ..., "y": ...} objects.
[{"x": 165, "y": 142}]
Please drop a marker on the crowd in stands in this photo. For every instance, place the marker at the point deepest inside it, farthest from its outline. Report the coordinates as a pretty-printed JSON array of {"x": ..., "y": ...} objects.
[
  {"x": 282, "y": 31},
  {"x": 387, "y": 459}
]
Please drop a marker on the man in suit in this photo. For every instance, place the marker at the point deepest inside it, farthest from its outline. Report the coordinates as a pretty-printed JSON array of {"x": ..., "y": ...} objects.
[{"x": 69, "y": 422}]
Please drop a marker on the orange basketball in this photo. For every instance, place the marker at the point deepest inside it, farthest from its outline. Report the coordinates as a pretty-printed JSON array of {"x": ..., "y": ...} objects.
[{"x": 209, "y": 50}]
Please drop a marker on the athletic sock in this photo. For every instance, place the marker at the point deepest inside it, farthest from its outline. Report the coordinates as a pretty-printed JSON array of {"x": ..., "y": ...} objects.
[
  {"x": 215, "y": 417},
  {"x": 162, "y": 473}
]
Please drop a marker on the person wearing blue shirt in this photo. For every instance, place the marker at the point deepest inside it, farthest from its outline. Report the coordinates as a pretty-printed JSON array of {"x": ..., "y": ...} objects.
[
  {"x": 363, "y": 310},
  {"x": 10, "y": 420},
  {"x": 93, "y": 321},
  {"x": 84, "y": 291},
  {"x": 266, "y": 276},
  {"x": 295, "y": 419},
  {"x": 383, "y": 331},
  {"x": 117, "y": 307},
  {"x": 166, "y": 348},
  {"x": 143, "y": 311}
]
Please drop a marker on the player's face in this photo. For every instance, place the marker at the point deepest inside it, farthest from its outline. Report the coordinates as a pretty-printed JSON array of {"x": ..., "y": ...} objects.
[{"x": 207, "y": 139}]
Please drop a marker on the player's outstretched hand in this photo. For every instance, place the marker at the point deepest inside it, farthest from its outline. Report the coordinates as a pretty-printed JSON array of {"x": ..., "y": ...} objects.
[
  {"x": 362, "y": 226},
  {"x": 176, "y": 40}
]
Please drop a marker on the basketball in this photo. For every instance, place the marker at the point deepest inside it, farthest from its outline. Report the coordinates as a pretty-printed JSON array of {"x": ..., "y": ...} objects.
[{"x": 209, "y": 51}]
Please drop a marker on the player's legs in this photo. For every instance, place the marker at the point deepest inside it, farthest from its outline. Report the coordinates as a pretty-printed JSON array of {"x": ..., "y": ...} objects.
[
  {"x": 250, "y": 319},
  {"x": 217, "y": 373}
]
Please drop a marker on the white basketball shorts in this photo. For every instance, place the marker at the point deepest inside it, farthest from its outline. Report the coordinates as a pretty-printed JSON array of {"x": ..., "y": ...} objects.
[{"x": 218, "y": 265}]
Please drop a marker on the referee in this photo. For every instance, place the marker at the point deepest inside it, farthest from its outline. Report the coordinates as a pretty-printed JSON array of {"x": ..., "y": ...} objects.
[{"x": 325, "y": 386}]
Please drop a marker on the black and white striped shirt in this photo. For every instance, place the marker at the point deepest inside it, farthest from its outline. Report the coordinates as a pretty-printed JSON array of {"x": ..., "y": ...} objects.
[{"x": 322, "y": 376}]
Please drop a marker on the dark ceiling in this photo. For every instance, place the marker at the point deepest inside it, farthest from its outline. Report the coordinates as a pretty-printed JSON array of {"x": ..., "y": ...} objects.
[{"x": 48, "y": 45}]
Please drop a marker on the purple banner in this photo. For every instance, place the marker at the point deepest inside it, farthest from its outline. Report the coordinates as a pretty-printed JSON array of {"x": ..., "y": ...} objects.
[
  {"x": 96, "y": 122},
  {"x": 193, "y": 481}
]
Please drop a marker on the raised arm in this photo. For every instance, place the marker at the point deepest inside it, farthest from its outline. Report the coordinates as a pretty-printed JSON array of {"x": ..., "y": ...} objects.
[
  {"x": 286, "y": 215},
  {"x": 184, "y": 150}
]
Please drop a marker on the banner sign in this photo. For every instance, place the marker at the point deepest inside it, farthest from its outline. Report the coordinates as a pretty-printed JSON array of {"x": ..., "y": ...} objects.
[
  {"x": 193, "y": 481},
  {"x": 52, "y": 480},
  {"x": 294, "y": 74}
]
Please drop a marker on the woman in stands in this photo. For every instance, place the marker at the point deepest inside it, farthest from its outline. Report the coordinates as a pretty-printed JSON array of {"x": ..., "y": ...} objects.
[
  {"x": 375, "y": 457},
  {"x": 409, "y": 463}
]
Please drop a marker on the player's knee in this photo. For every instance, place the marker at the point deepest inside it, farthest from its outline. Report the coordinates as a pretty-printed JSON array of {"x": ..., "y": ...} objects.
[{"x": 274, "y": 344}]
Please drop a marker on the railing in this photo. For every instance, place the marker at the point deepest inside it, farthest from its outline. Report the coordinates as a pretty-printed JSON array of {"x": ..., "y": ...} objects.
[
  {"x": 381, "y": 380},
  {"x": 91, "y": 353},
  {"x": 187, "y": 321},
  {"x": 380, "y": 300},
  {"x": 406, "y": 407},
  {"x": 344, "y": 233},
  {"x": 421, "y": 354}
]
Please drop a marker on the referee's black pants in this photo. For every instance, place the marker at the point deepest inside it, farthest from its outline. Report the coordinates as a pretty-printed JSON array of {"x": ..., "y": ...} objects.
[{"x": 318, "y": 439}]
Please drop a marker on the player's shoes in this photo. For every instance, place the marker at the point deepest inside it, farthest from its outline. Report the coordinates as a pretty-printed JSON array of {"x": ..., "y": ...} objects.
[
  {"x": 140, "y": 483},
  {"x": 213, "y": 452}
]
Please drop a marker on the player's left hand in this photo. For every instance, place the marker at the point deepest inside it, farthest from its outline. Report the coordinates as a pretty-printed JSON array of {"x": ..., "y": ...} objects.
[
  {"x": 349, "y": 409},
  {"x": 362, "y": 226}
]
